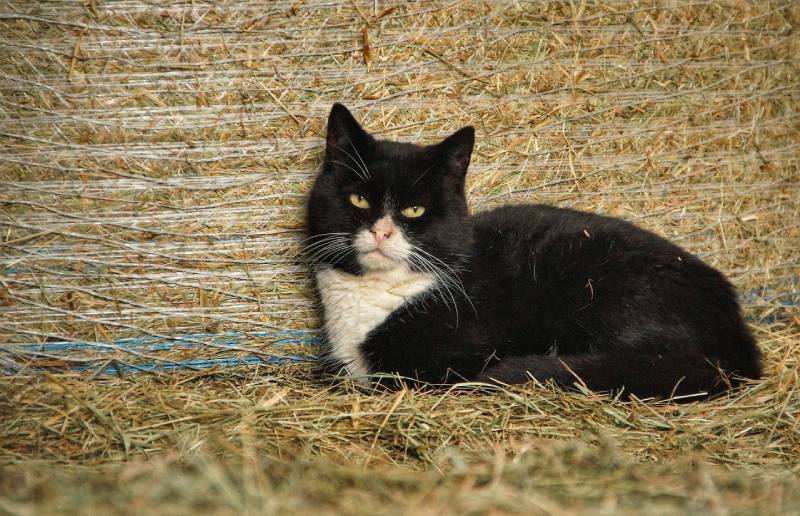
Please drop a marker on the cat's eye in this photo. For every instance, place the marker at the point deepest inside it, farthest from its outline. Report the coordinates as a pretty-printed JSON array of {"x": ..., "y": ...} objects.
[
  {"x": 412, "y": 212},
  {"x": 359, "y": 201}
]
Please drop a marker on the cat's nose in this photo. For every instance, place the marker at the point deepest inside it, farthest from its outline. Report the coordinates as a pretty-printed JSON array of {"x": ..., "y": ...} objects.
[{"x": 382, "y": 229}]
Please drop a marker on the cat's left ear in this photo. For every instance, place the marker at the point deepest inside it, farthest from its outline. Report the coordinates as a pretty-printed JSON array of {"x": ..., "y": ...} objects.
[
  {"x": 345, "y": 136},
  {"x": 457, "y": 149}
]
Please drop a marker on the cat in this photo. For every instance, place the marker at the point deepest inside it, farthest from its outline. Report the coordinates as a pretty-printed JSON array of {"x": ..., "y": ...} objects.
[{"x": 411, "y": 284}]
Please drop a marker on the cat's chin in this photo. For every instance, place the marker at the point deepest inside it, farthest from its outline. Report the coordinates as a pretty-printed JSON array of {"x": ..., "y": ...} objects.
[{"x": 378, "y": 262}]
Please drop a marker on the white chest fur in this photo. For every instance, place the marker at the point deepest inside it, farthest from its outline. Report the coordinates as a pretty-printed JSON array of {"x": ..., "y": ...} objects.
[{"x": 355, "y": 305}]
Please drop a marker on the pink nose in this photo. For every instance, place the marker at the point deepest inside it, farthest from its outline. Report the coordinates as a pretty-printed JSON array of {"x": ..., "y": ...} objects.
[{"x": 382, "y": 229}]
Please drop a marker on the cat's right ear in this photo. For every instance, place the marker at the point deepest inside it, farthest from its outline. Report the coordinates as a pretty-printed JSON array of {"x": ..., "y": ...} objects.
[
  {"x": 458, "y": 149},
  {"x": 345, "y": 137}
]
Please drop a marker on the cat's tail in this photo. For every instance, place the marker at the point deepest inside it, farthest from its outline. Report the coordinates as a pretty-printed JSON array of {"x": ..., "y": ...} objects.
[{"x": 645, "y": 376}]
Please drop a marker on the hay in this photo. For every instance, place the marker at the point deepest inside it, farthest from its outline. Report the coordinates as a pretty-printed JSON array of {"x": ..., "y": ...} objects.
[
  {"x": 539, "y": 478},
  {"x": 154, "y": 163}
]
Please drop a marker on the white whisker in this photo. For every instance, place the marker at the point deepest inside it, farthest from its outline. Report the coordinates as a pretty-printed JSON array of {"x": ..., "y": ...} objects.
[
  {"x": 442, "y": 285},
  {"x": 452, "y": 275},
  {"x": 359, "y": 174},
  {"x": 366, "y": 175},
  {"x": 330, "y": 247},
  {"x": 321, "y": 235},
  {"x": 366, "y": 170}
]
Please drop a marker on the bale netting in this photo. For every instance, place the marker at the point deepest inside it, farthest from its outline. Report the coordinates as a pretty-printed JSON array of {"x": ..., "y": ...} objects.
[{"x": 156, "y": 315}]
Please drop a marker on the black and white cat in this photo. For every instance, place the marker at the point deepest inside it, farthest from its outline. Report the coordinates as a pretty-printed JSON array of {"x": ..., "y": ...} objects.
[{"x": 411, "y": 284}]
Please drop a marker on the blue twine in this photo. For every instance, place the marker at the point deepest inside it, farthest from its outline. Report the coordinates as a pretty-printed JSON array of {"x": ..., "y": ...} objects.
[
  {"x": 228, "y": 339},
  {"x": 195, "y": 364},
  {"x": 287, "y": 337}
]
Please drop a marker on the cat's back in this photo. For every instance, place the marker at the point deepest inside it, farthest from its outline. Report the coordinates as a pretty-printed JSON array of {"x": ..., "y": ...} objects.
[
  {"x": 513, "y": 234},
  {"x": 563, "y": 251}
]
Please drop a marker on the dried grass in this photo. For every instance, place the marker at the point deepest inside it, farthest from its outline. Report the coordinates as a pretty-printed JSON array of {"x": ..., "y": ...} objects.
[{"x": 154, "y": 163}]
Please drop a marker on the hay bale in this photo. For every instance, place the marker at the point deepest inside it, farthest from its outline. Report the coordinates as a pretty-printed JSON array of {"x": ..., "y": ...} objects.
[{"x": 154, "y": 164}]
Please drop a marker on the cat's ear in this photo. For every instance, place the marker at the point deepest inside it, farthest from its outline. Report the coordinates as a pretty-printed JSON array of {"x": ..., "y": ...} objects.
[
  {"x": 345, "y": 136},
  {"x": 457, "y": 149}
]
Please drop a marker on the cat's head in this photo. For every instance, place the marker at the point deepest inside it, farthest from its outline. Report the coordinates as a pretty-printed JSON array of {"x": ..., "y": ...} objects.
[{"x": 379, "y": 205}]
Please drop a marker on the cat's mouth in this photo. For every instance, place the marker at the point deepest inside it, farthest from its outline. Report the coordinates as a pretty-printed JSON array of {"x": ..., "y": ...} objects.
[
  {"x": 378, "y": 259},
  {"x": 378, "y": 252},
  {"x": 388, "y": 254}
]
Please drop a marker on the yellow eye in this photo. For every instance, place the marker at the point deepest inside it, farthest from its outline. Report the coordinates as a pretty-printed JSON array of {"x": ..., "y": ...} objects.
[
  {"x": 359, "y": 201},
  {"x": 412, "y": 212}
]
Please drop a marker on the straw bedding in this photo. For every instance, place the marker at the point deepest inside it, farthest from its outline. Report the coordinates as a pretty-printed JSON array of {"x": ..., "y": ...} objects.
[{"x": 156, "y": 323}]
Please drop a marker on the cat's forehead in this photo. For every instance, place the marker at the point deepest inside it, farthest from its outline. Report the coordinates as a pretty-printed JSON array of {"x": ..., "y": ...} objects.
[
  {"x": 401, "y": 153},
  {"x": 397, "y": 163},
  {"x": 395, "y": 185}
]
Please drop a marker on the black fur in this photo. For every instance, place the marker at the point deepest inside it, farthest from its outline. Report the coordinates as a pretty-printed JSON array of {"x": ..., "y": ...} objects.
[{"x": 551, "y": 293}]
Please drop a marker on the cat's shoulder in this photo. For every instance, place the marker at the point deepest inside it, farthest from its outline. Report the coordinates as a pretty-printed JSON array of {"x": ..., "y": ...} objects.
[
  {"x": 538, "y": 222},
  {"x": 515, "y": 213},
  {"x": 541, "y": 215}
]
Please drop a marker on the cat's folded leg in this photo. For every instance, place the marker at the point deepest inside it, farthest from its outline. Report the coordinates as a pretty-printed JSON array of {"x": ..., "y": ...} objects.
[{"x": 642, "y": 375}]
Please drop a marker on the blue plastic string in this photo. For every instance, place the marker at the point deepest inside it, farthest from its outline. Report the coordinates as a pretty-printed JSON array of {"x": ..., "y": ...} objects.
[
  {"x": 231, "y": 339},
  {"x": 286, "y": 337},
  {"x": 195, "y": 364}
]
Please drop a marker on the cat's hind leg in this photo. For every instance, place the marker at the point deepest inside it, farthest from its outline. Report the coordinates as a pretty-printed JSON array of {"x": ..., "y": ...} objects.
[{"x": 643, "y": 375}]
